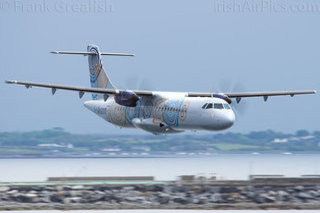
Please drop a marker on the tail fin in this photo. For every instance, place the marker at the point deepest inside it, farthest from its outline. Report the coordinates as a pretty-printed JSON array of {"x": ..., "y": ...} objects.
[{"x": 98, "y": 77}]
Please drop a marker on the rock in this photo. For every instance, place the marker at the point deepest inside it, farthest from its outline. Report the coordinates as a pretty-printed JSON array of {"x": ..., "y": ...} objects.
[
  {"x": 135, "y": 199},
  {"x": 229, "y": 189},
  {"x": 258, "y": 199},
  {"x": 207, "y": 195},
  {"x": 25, "y": 198},
  {"x": 249, "y": 194},
  {"x": 75, "y": 193},
  {"x": 4, "y": 189},
  {"x": 95, "y": 198},
  {"x": 78, "y": 187},
  {"x": 197, "y": 189},
  {"x": 299, "y": 188},
  {"x": 201, "y": 200},
  {"x": 290, "y": 190},
  {"x": 212, "y": 189},
  {"x": 56, "y": 198},
  {"x": 69, "y": 200},
  {"x": 164, "y": 200},
  {"x": 49, "y": 188},
  {"x": 44, "y": 200},
  {"x": 271, "y": 193},
  {"x": 59, "y": 188},
  {"x": 282, "y": 195},
  {"x": 128, "y": 188},
  {"x": 113, "y": 198},
  {"x": 234, "y": 195},
  {"x": 314, "y": 194},
  {"x": 181, "y": 200},
  {"x": 63, "y": 193},
  {"x": 216, "y": 198},
  {"x": 304, "y": 196},
  {"x": 99, "y": 192},
  {"x": 230, "y": 199},
  {"x": 182, "y": 189},
  {"x": 146, "y": 203},
  {"x": 44, "y": 192},
  {"x": 38, "y": 188},
  {"x": 268, "y": 198},
  {"x": 12, "y": 192},
  {"x": 67, "y": 188},
  {"x": 31, "y": 195}
]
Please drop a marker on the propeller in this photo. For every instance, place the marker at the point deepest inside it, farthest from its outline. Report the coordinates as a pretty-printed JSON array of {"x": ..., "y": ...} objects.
[
  {"x": 135, "y": 83},
  {"x": 229, "y": 86}
]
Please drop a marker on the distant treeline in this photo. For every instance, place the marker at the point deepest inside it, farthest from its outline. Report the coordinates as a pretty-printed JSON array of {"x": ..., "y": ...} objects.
[{"x": 58, "y": 142}]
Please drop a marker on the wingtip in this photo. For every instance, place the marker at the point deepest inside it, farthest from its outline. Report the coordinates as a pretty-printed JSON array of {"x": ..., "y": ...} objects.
[{"x": 10, "y": 82}]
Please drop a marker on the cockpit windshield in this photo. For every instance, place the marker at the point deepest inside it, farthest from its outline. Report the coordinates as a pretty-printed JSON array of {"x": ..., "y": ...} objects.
[
  {"x": 216, "y": 106},
  {"x": 209, "y": 106},
  {"x": 226, "y": 106}
]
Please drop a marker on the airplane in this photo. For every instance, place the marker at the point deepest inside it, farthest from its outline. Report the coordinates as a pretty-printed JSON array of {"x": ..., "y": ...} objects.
[{"x": 154, "y": 111}]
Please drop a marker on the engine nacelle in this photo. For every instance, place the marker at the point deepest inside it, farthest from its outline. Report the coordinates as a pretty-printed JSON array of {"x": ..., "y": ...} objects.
[
  {"x": 223, "y": 97},
  {"x": 126, "y": 98}
]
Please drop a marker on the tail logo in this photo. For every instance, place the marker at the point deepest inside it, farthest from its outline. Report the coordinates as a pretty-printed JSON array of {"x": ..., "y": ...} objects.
[{"x": 95, "y": 72}]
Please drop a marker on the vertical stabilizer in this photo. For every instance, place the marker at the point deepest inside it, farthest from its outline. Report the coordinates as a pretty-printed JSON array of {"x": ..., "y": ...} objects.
[{"x": 98, "y": 77}]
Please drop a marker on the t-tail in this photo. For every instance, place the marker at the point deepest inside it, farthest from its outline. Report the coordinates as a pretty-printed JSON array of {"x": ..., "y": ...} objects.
[{"x": 98, "y": 76}]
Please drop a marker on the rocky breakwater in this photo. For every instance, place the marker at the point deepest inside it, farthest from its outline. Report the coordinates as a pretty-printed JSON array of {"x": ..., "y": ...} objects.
[{"x": 227, "y": 195}]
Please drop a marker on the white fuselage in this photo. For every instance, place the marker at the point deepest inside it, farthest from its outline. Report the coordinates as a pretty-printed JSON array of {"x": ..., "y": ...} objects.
[{"x": 167, "y": 113}]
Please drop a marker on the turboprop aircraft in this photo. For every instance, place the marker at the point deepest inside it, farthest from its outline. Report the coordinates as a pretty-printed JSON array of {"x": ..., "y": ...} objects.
[{"x": 154, "y": 111}]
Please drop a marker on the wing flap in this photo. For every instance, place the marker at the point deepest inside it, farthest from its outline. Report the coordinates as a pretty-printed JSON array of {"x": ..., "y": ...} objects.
[{"x": 81, "y": 90}]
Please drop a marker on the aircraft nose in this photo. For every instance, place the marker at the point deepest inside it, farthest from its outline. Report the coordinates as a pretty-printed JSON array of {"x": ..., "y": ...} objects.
[{"x": 229, "y": 119}]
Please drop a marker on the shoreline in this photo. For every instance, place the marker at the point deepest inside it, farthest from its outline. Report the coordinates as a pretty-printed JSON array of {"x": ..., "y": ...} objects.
[{"x": 260, "y": 193}]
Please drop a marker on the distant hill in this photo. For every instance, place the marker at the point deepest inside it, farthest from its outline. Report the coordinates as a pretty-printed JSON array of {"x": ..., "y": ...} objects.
[{"x": 57, "y": 142}]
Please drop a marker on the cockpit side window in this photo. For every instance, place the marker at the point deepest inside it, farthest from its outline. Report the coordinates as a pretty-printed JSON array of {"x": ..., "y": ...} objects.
[
  {"x": 204, "y": 106},
  {"x": 226, "y": 106},
  {"x": 209, "y": 106},
  {"x": 218, "y": 106}
]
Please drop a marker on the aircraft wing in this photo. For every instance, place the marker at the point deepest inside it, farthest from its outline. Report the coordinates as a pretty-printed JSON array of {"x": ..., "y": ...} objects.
[
  {"x": 81, "y": 90},
  {"x": 107, "y": 92},
  {"x": 259, "y": 94},
  {"x": 265, "y": 95}
]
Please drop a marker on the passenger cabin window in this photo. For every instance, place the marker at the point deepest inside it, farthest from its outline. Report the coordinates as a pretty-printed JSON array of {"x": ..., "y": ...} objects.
[{"x": 218, "y": 106}]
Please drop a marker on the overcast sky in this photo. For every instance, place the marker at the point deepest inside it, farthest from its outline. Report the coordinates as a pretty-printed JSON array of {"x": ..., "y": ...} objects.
[{"x": 179, "y": 45}]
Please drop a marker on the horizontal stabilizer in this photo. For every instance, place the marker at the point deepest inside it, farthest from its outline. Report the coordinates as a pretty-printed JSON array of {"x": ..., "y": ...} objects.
[{"x": 90, "y": 53}]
